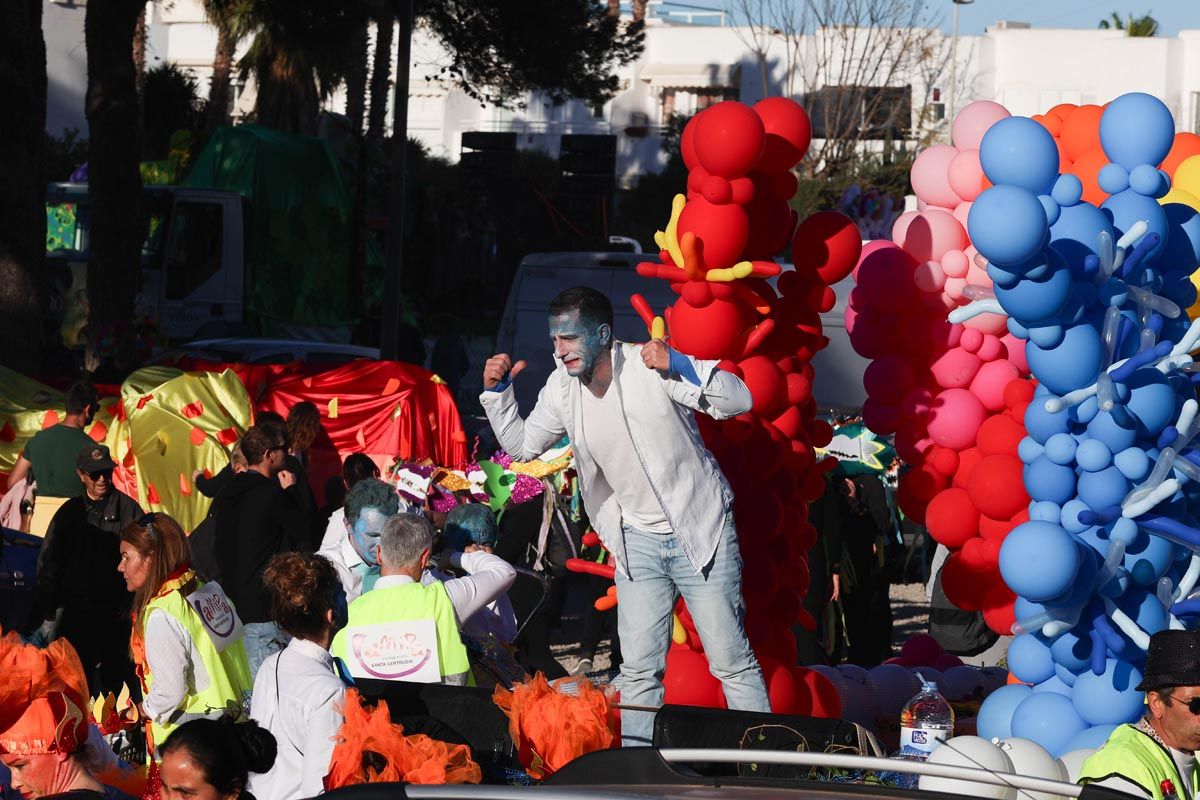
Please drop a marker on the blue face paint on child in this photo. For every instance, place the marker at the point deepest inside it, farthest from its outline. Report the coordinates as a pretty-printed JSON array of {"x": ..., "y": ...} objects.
[{"x": 579, "y": 343}]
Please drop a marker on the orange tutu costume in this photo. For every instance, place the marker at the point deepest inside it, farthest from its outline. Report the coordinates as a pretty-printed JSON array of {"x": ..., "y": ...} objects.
[
  {"x": 390, "y": 755},
  {"x": 551, "y": 727}
]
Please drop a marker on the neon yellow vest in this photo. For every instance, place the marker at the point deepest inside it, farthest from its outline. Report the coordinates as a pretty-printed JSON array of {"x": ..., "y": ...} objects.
[
  {"x": 1133, "y": 755},
  {"x": 404, "y": 603},
  {"x": 229, "y": 679}
]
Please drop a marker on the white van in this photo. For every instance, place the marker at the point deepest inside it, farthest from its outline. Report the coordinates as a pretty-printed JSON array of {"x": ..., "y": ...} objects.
[{"x": 523, "y": 332}]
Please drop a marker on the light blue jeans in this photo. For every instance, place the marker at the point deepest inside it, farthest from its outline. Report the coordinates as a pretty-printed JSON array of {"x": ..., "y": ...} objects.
[
  {"x": 262, "y": 639},
  {"x": 659, "y": 571}
]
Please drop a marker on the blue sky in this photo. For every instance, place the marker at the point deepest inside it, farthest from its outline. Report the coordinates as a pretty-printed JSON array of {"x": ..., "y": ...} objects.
[{"x": 1172, "y": 15}]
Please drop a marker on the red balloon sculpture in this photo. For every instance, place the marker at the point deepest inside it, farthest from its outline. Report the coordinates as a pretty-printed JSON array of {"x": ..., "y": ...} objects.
[
  {"x": 954, "y": 395},
  {"x": 717, "y": 253}
]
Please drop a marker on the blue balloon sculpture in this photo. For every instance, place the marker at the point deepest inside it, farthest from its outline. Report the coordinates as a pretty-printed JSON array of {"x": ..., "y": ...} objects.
[{"x": 1111, "y": 553}]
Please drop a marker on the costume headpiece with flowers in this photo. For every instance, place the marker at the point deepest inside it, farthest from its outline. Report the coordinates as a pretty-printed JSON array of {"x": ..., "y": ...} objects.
[{"x": 43, "y": 698}]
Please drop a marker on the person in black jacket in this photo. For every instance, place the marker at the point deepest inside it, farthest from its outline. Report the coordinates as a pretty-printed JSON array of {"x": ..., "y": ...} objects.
[
  {"x": 77, "y": 573},
  {"x": 254, "y": 518}
]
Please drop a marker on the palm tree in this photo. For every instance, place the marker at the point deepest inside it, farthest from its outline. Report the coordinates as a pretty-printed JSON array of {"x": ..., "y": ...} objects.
[
  {"x": 299, "y": 57},
  {"x": 23, "y": 165},
  {"x": 1144, "y": 25},
  {"x": 114, "y": 151},
  {"x": 233, "y": 21},
  {"x": 381, "y": 67}
]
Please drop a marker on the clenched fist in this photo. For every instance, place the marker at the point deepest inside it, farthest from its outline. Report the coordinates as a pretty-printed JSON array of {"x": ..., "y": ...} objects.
[
  {"x": 499, "y": 366},
  {"x": 656, "y": 354}
]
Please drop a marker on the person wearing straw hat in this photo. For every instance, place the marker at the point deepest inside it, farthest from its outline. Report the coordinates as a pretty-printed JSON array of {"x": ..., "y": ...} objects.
[{"x": 1143, "y": 757}]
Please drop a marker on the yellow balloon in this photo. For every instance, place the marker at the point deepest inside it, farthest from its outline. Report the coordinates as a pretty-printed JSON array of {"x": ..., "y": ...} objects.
[
  {"x": 1181, "y": 196},
  {"x": 678, "y": 636},
  {"x": 1187, "y": 176}
]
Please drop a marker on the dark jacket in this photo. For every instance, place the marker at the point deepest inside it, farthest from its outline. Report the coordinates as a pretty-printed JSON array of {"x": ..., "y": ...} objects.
[
  {"x": 253, "y": 520},
  {"x": 78, "y": 563}
]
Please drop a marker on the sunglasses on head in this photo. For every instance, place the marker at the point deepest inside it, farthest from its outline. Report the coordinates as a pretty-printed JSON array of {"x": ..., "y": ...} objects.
[
  {"x": 147, "y": 521},
  {"x": 1192, "y": 705}
]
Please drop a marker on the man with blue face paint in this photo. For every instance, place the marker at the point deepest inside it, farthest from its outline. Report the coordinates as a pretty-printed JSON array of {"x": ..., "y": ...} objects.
[
  {"x": 369, "y": 503},
  {"x": 653, "y": 492}
]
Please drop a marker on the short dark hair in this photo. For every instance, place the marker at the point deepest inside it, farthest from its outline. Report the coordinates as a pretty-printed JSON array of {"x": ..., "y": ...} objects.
[
  {"x": 374, "y": 493},
  {"x": 591, "y": 304},
  {"x": 273, "y": 423},
  {"x": 226, "y": 751},
  {"x": 358, "y": 467},
  {"x": 80, "y": 396},
  {"x": 257, "y": 442}
]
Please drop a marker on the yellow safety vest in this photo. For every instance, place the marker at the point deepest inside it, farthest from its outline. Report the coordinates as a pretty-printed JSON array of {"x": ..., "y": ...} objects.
[
  {"x": 229, "y": 678},
  {"x": 405, "y": 603},
  {"x": 1133, "y": 755}
]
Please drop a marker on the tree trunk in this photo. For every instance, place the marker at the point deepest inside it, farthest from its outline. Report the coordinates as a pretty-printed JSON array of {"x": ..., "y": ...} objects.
[
  {"x": 381, "y": 74},
  {"x": 639, "y": 10},
  {"x": 217, "y": 111},
  {"x": 114, "y": 149},
  {"x": 22, "y": 203},
  {"x": 356, "y": 81},
  {"x": 394, "y": 256}
]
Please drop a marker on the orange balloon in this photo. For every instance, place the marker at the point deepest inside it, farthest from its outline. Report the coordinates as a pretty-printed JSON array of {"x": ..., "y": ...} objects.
[
  {"x": 1186, "y": 145},
  {"x": 1087, "y": 169},
  {"x": 1062, "y": 110},
  {"x": 1081, "y": 131},
  {"x": 1049, "y": 122}
]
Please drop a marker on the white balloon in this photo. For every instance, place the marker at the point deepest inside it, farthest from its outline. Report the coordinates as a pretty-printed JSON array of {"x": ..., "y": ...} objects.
[
  {"x": 964, "y": 683},
  {"x": 976, "y": 753},
  {"x": 858, "y": 703},
  {"x": 1030, "y": 758},
  {"x": 895, "y": 686},
  {"x": 1072, "y": 762}
]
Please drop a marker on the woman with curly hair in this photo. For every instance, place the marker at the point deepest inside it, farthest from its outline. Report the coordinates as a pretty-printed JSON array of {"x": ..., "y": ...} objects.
[{"x": 298, "y": 695}]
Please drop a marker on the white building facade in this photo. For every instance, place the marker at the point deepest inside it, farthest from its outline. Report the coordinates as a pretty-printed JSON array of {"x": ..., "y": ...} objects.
[{"x": 684, "y": 68}]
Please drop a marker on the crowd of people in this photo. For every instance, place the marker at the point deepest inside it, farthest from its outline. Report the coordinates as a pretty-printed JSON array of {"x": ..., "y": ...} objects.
[{"x": 273, "y": 605}]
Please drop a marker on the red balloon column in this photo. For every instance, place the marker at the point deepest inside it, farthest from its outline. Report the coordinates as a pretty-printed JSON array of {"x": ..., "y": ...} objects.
[
  {"x": 716, "y": 252},
  {"x": 954, "y": 395}
]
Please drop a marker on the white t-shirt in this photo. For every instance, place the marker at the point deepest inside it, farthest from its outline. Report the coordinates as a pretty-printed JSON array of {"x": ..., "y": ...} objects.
[{"x": 611, "y": 447}]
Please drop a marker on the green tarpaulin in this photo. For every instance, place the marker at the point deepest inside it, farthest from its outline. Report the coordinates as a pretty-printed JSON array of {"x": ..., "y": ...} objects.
[{"x": 298, "y": 226}]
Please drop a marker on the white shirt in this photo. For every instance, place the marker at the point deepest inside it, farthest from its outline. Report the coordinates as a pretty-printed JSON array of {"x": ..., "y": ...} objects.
[
  {"x": 175, "y": 665},
  {"x": 497, "y": 617},
  {"x": 694, "y": 494},
  {"x": 488, "y": 577},
  {"x": 335, "y": 531},
  {"x": 611, "y": 446},
  {"x": 298, "y": 698},
  {"x": 346, "y": 561}
]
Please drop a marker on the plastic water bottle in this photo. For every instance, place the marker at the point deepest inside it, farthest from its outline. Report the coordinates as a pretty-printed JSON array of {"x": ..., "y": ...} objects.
[{"x": 925, "y": 722}]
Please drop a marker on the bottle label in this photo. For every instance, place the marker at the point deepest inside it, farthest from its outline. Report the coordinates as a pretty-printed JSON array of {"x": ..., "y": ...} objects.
[{"x": 921, "y": 739}]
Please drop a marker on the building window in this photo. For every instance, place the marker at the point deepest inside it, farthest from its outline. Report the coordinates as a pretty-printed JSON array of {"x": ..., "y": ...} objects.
[
  {"x": 692, "y": 100},
  {"x": 1196, "y": 112},
  {"x": 861, "y": 112}
]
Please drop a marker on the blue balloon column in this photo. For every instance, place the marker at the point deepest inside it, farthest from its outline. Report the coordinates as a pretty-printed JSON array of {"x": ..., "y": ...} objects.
[{"x": 1111, "y": 553}]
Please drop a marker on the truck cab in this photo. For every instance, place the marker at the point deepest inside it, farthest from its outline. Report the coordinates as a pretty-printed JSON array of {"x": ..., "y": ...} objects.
[{"x": 193, "y": 259}]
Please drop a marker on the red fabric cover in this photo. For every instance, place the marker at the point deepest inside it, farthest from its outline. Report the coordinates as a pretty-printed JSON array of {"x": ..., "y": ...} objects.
[{"x": 383, "y": 408}]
